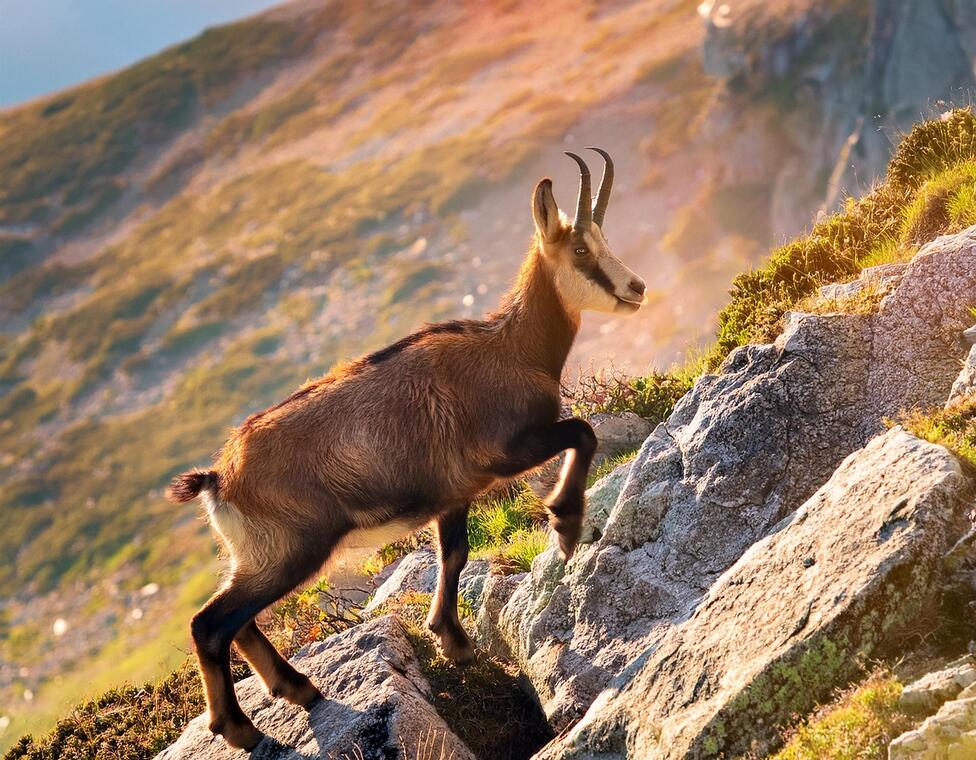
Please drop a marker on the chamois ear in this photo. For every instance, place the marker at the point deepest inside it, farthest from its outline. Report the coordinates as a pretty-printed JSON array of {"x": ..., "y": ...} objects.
[{"x": 545, "y": 212}]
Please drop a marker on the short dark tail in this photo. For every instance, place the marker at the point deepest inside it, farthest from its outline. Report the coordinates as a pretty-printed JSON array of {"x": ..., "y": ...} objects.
[{"x": 188, "y": 486}]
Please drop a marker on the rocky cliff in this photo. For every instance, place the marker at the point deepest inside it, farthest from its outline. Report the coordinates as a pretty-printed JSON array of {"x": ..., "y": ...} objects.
[{"x": 742, "y": 451}]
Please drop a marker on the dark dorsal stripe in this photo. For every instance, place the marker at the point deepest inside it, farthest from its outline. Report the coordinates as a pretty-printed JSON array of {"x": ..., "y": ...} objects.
[
  {"x": 456, "y": 326},
  {"x": 295, "y": 396}
]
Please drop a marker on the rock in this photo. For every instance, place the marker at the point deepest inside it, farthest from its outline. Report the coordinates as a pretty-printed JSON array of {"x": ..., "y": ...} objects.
[
  {"x": 600, "y": 498},
  {"x": 376, "y": 702},
  {"x": 839, "y": 291},
  {"x": 926, "y": 58},
  {"x": 498, "y": 590},
  {"x": 741, "y": 451},
  {"x": 970, "y": 335},
  {"x": 883, "y": 277},
  {"x": 927, "y": 694},
  {"x": 617, "y": 434},
  {"x": 842, "y": 579},
  {"x": 950, "y": 734},
  {"x": 418, "y": 572},
  {"x": 965, "y": 383}
]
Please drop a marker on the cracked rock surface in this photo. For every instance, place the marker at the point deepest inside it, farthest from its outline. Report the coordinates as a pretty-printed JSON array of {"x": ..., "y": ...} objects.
[
  {"x": 741, "y": 451},
  {"x": 376, "y": 706},
  {"x": 844, "y": 577},
  {"x": 418, "y": 572}
]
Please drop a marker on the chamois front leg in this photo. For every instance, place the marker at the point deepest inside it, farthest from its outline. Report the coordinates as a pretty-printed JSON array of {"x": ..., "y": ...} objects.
[
  {"x": 452, "y": 541},
  {"x": 540, "y": 444}
]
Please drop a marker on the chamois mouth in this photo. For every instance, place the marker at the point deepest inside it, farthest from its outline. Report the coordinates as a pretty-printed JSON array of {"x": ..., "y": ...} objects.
[{"x": 630, "y": 304}]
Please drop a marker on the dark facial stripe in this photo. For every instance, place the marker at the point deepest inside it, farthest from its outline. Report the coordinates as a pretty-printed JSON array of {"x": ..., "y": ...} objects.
[{"x": 591, "y": 270}]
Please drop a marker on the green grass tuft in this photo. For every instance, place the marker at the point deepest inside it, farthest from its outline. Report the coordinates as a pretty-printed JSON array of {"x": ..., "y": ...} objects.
[
  {"x": 517, "y": 553},
  {"x": 954, "y": 428},
  {"x": 858, "y": 726}
]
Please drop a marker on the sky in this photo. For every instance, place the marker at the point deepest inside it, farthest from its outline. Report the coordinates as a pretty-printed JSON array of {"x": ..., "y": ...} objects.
[{"x": 47, "y": 45}]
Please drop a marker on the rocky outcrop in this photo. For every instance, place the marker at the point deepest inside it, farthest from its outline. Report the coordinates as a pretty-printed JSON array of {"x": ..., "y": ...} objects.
[
  {"x": 929, "y": 693},
  {"x": 950, "y": 734},
  {"x": 843, "y": 578},
  {"x": 740, "y": 453},
  {"x": 839, "y": 78},
  {"x": 881, "y": 278},
  {"x": 376, "y": 706},
  {"x": 418, "y": 572},
  {"x": 965, "y": 384},
  {"x": 617, "y": 434}
]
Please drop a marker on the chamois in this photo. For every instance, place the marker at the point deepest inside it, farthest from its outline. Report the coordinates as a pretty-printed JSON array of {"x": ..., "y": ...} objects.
[{"x": 405, "y": 436}]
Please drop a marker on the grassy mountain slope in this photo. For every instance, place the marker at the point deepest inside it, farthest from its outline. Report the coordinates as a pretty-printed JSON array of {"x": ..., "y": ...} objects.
[
  {"x": 188, "y": 239},
  {"x": 930, "y": 189}
]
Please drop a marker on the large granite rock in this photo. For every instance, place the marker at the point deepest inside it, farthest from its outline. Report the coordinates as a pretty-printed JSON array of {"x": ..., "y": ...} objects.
[
  {"x": 844, "y": 578},
  {"x": 740, "y": 452},
  {"x": 376, "y": 706}
]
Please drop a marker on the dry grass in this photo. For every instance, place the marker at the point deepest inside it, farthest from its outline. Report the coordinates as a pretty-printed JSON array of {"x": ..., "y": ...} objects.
[{"x": 130, "y": 722}]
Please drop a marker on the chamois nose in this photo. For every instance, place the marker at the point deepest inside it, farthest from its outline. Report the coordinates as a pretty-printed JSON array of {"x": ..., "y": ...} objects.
[{"x": 638, "y": 286}]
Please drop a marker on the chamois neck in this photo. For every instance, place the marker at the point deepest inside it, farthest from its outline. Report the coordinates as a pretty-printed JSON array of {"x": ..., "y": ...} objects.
[{"x": 534, "y": 317}]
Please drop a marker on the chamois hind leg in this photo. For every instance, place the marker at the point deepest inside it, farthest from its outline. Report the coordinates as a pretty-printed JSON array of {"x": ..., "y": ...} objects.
[
  {"x": 213, "y": 629},
  {"x": 452, "y": 541},
  {"x": 278, "y": 675},
  {"x": 540, "y": 444}
]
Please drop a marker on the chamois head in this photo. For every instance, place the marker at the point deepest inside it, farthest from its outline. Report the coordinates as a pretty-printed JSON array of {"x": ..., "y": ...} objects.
[{"x": 586, "y": 274}]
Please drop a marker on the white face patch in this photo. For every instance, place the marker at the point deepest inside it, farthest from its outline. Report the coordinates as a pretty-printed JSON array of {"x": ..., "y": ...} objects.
[{"x": 597, "y": 281}]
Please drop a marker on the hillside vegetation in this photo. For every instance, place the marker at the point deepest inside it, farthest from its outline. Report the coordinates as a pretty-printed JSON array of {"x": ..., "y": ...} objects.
[{"x": 185, "y": 241}]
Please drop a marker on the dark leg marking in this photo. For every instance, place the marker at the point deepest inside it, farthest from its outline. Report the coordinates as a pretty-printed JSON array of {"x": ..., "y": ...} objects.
[
  {"x": 452, "y": 541},
  {"x": 213, "y": 629},
  {"x": 278, "y": 675},
  {"x": 540, "y": 444}
]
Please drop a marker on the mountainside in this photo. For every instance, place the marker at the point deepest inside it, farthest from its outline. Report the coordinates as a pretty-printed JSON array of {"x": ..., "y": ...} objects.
[
  {"x": 188, "y": 239},
  {"x": 768, "y": 575}
]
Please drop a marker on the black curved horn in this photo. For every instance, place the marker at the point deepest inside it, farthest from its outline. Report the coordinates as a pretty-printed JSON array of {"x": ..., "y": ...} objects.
[
  {"x": 606, "y": 184},
  {"x": 584, "y": 211}
]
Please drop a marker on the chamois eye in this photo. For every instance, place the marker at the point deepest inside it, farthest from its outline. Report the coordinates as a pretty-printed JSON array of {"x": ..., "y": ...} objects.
[{"x": 580, "y": 251}]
